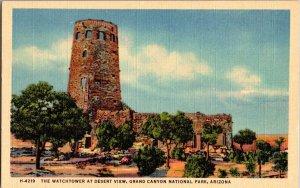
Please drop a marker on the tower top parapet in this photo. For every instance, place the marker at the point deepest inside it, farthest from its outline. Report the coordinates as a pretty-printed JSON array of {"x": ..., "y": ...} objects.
[{"x": 95, "y": 21}]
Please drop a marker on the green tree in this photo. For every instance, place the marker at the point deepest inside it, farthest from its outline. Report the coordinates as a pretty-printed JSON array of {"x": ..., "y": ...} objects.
[
  {"x": 278, "y": 143},
  {"x": 125, "y": 136},
  {"x": 107, "y": 135},
  {"x": 40, "y": 114},
  {"x": 245, "y": 136},
  {"x": 110, "y": 137},
  {"x": 198, "y": 167},
  {"x": 148, "y": 159},
  {"x": 178, "y": 153},
  {"x": 263, "y": 152},
  {"x": 169, "y": 129},
  {"x": 71, "y": 121},
  {"x": 56, "y": 144},
  {"x": 184, "y": 129},
  {"x": 209, "y": 136},
  {"x": 280, "y": 160}
]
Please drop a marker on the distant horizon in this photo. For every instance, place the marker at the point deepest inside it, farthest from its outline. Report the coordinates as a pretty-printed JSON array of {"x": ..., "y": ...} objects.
[{"x": 210, "y": 61}]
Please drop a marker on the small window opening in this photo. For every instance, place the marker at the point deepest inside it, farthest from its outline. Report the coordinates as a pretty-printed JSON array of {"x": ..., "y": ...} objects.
[
  {"x": 101, "y": 35},
  {"x": 90, "y": 116},
  {"x": 88, "y": 34},
  {"x": 84, "y": 54},
  {"x": 83, "y": 83},
  {"x": 114, "y": 101},
  {"x": 112, "y": 37},
  {"x": 97, "y": 82},
  {"x": 78, "y": 35},
  {"x": 96, "y": 99}
]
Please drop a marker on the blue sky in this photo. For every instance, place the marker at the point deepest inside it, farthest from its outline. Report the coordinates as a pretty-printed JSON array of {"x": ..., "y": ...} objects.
[{"x": 211, "y": 61}]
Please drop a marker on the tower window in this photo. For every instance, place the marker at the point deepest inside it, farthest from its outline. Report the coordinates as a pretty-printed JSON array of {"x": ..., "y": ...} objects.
[
  {"x": 77, "y": 35},
  {"x": 88, "y": 34},
  {"x": 96, "y": 99},
  {"x": 84, "y": 54},
  {"x": 83, "y": 83},
  {"x": 97, "y": 82},
  {"x": 101, "y": 35},
  {"x": 112, "y": 37}
]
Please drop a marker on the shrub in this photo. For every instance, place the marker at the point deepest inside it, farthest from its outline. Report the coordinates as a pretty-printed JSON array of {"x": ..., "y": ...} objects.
[
  {"x": 250, "y": 156},
  {"x": 280, "y": 160},
  {"x": 198, "y": 167},
  {"x": 222, "y": 173},
  {"x": 104, "y": 172},
  {"x": 251, "y": 166},
  {"x": 148, "y": 159},
  {"x": 234, "y": 172},
  {"x": 236, "y": 156},
  {"x": 81, "y": 165},
  {"x": 178, "y": 153}
]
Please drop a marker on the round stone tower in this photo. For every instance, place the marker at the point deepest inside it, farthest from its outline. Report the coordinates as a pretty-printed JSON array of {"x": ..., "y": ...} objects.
[{"x": 94, "y": 77}]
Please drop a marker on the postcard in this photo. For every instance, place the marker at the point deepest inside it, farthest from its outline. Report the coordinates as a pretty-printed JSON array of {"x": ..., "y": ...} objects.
[{"x": 150, "y": 93}]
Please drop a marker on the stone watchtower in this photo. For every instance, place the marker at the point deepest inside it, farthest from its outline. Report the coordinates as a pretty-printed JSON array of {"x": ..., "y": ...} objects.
[
  {"x": 94, "y": 78},
  {"x": 94, "y": 83}
]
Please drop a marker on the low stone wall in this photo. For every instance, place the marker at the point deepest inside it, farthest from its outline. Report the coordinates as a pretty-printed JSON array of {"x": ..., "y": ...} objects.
[{"x": 117, "y": 117}]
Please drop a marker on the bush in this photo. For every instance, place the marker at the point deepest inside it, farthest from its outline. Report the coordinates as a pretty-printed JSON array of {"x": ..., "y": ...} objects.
[
  {"x": 250, "y": 156},
  {"x": 197, "y": 167},
  {"x": 178, "y": 153},
  {"x": 234, "y": 172},
  {"x": 236, "y": 156},
  {"x": 280, "y": 160},
  {"x": 222, "y": 173},
  {"x": 104, "y": 172},
  {"x": 148, "y": 159},
  {"x": 251, "y": 166},
  {"x": 81, "y": 165}
]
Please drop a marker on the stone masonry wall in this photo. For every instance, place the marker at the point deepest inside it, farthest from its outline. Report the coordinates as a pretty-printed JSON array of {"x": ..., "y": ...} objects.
[
  {"x": 199, "y": 119},
  {"x": 139, "y": 119},
  {"x": 94, "y": 79},
  {"x": 223, "y": 120}
]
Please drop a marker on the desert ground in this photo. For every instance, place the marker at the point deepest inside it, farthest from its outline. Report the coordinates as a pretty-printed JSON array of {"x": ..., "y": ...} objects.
[{"x": 85, "y": 166}]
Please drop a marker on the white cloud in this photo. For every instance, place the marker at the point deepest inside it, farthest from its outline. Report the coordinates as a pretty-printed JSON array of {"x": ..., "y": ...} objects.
[
  {"x": 243, "y": 77},
  {"x": 158, "y": 61},
  {"x": 246, "y": 94},
  {"x": 249, "y": 86},
  {"x": 56, "y": 55},
  {"x": 152, "y": 59}
]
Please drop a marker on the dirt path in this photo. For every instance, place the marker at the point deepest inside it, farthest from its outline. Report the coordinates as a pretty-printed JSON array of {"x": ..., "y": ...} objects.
[{"x": 176, "y": 169}]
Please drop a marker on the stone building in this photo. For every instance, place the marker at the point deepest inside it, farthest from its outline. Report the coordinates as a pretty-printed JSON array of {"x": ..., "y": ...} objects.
[
  {"x": 94, "y": 82},
  {"x": 94, "y": 79}
]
